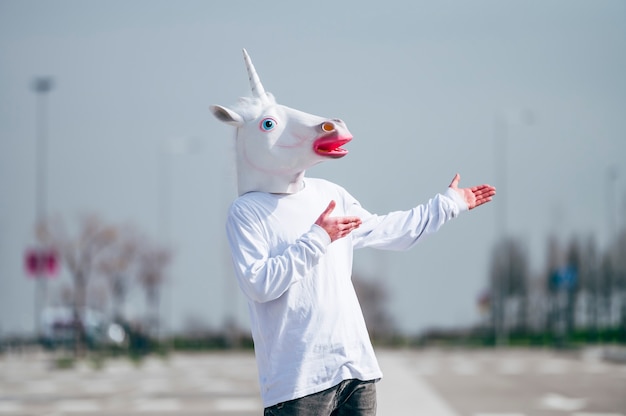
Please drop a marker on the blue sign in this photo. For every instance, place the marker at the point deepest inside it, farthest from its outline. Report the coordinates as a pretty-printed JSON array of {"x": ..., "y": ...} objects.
[{"x": 564, "y": 277}]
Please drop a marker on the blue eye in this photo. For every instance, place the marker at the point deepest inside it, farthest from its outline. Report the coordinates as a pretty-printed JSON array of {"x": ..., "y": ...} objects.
[{"x": 268, "y": 124}]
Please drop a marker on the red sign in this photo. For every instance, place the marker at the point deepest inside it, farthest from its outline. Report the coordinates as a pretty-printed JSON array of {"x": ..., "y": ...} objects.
[{"x": 41, "y": 263}]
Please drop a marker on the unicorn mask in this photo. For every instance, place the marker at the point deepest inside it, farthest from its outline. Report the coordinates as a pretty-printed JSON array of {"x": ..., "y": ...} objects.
[{"x": 275, "y": 144}]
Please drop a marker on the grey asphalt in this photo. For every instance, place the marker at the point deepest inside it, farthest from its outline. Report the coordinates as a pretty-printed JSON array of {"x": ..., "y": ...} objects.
[{"x": 430, "y": 382}]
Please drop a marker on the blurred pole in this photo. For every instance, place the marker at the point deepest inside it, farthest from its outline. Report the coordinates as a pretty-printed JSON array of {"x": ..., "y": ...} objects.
[
  {"x": 42, "y": 86},
  {"x": 501, "y": 138},
  {"x": 501, "y": 153}
]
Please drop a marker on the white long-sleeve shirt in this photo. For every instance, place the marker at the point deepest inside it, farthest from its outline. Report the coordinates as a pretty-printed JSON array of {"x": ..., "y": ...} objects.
[{"x": 308, "y": 329}]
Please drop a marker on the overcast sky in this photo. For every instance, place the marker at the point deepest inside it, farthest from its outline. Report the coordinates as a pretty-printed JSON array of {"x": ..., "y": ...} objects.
[{"x": 418, "y": 83}]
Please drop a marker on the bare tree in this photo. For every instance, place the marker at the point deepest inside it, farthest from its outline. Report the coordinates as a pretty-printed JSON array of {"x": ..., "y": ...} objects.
[
  {"x": 554, "y": 261},
  {"x": 153, "y": 262},
  {"x": 116, "y": 266},
  {"x": 574, "y": 262},
  {"x": 588, "y": 278},
  {"x": 80, "y": 253},
  {"x": 509, "y": 274},
  {"x": 606, "y": 288},
  {"x": 620, "y": 265}
]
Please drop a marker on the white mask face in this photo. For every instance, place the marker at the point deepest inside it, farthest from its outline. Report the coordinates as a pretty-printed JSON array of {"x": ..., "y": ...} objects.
[{"x": 275, "y": 143}]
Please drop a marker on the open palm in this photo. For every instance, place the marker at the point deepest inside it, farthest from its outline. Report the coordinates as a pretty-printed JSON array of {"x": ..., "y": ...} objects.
[{"x": 474, "y": 196}]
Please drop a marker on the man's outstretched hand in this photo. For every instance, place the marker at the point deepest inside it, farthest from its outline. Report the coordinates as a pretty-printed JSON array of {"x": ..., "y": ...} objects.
[
  {"x": 474, "y": 196},
  {"x": 337, "y": 227}
]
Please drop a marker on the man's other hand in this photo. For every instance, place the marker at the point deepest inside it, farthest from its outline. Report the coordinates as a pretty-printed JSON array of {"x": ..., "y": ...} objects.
[{"x": 337, "y": 227}]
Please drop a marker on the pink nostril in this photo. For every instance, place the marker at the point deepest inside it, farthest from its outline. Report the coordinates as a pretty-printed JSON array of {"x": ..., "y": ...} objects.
[{"x": 328, "y": 127}]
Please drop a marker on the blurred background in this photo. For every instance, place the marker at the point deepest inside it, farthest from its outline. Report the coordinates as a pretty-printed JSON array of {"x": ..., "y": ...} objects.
[{"x": 115, "y": 179}]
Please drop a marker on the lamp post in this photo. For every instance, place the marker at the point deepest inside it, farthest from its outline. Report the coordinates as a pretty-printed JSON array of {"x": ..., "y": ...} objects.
[
  {"x": 502, "y": 122},
  {"x": 42, "y": 86},
  {"x": 501, "y": 161}
]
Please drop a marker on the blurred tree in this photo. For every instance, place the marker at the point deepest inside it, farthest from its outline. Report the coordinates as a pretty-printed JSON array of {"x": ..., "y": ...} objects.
[
  {"x": 606, "y": 289},
  {"x": 574, "y": 261},
  {"x": 80, "y": 253},
  {"x": 151, "y": 272},
  {"x": 554, "y": 261},
  {"x": 588, "y": 278},
  {"x": 620, "y": 267},
  {"x": 116, "y": 266},
  {"x": 537, "y": 303},
  {"x": 509, "y": 281}
]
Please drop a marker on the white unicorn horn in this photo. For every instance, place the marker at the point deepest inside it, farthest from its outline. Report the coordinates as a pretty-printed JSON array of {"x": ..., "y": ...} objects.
[{"x": 255, "y": 83}]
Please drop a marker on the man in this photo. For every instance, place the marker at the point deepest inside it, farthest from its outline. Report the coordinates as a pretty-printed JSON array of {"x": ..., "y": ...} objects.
[{"x": 292, "y": 240}]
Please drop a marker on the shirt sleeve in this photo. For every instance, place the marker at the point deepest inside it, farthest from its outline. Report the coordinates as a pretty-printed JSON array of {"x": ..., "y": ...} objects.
[
  {"x": 262, "y": 277},
  {"x": 401, "y": 230}
]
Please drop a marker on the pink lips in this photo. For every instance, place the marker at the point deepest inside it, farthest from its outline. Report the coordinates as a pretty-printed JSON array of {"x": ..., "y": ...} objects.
[{"x": 330, "y": 146}]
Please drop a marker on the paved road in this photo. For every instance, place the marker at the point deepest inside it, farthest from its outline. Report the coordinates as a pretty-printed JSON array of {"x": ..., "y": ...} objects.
[
  {"x": 426, "y": 382},
  {"x": 501, "y": 383}
]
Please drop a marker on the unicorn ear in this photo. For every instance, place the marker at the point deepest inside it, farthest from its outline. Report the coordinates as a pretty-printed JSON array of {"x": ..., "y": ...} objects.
[{"x": 226, "y": 115}]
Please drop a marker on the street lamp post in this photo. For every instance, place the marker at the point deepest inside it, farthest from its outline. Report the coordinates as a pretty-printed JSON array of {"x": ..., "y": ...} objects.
[
  {"x": 502, "y": 122},
  {"x": 42, "y": 86},
  {"x": 501, "y": 153}
]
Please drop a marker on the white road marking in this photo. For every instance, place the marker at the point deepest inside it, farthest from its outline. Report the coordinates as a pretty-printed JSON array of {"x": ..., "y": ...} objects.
[
  {"x": 155, "y": 385},
  {"x": 555, "y": 401},
  {"x": 98, "y": 386},
  {"x": 40, "y": 387},
  {"x": 81, "y": 406},
  {"x": 406, "y": 393},
  {"x": 10, "y": 407},
  {"x": 511, "y": 367},
  {"x": 157, "y": 405},
  {"x": 498, "y": 414},
  {"x": 238, "y": 405}
]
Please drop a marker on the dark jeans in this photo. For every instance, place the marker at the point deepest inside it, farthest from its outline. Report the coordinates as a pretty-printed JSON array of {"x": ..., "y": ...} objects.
[{"x": 350, "y": 397}]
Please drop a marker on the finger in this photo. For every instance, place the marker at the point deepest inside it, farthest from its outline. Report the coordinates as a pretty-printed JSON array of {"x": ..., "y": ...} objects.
[
  {"x": 484, "y": 192},
  {"x": 455, "y": 181},
  {"x": 483, "y": 189},
  {"x": 329, "y": 209},
  {"x": 482, "y": 201},
  {"x": 349, "y": 226}
]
